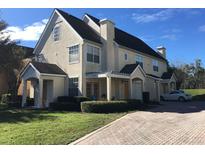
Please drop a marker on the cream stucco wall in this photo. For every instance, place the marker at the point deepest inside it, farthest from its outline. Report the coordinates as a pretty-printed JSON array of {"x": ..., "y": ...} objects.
[
  {"x": 147, "y": 61},
  {"x": 56, "y": 52},
  {"x": 58, "y": 85}
]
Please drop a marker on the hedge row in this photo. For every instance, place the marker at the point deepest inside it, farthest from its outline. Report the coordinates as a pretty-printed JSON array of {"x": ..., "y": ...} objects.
[
  {"x": 111, "y": 106},
  {"x": 67, "y": 103}
]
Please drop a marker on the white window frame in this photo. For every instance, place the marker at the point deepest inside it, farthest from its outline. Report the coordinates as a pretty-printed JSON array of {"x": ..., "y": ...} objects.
[
  {"x": 139, "y": 59},
  {"x": 156, "y": 64},
  {"x": 93, "y": 54},
  {"x": 57, "y": 26},
  {"x": 78, "y": 60}
]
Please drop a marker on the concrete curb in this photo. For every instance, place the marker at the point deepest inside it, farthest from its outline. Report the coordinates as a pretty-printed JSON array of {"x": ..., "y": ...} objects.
[{"x": 96, "y": 131}]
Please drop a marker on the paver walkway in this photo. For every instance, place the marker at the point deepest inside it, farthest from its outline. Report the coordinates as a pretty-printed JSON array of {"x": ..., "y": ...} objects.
[{"x": 171, "y": 123}]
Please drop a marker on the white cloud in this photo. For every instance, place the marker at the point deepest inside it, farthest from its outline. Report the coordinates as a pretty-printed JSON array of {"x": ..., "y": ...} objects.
[
  {"x": 169, "y": 36},
  {"x": 158, "y": 16},
  {"x": 202, "y": 28},
  {"x": 28, "y": 33},
  {"x": 161, "y": 15}
]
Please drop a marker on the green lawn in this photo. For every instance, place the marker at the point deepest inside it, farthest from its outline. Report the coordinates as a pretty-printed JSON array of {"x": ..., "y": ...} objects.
[
  {"x": 198, "y": 94},
  {"x": 195, "y": 92},
  {"x": 46, "y": 127}
]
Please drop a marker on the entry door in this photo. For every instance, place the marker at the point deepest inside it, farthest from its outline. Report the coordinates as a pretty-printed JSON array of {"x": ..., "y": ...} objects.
[
  {"x": 126, "y": 90},
  {"x": 137, "y": 89},
  {"x": 92, "y": 90},
  {"x": 96, "y": 90}
]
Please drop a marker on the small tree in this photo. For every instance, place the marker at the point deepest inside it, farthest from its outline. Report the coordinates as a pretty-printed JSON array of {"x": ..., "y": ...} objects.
[{"x": 10, "y": 58}]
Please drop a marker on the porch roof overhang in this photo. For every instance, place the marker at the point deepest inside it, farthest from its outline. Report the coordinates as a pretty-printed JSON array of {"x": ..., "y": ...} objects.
[
  {"x": 36, "y": 69},
  {"x": 168, "y": 78},
  {"x": 154, "y": 77},
  {"x": 107, "y": 74}
]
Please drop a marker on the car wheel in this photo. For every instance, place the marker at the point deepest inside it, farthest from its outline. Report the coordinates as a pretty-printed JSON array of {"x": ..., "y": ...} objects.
[
  {"x": 162, "y": 98},
  {"x": 181, "y": 99}
]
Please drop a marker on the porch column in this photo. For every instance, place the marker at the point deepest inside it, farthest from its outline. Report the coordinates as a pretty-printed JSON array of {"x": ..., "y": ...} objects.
[
  {"x": 109, "y": 90},
  {"x": 130, "y": 86},
  {"x": 158, "y": 89},
  {"x": 24, "y": 93},
  {"x": 40, "y": 94}
]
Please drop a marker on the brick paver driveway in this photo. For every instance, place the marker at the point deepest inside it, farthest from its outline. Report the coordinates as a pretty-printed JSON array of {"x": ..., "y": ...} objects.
[{"x": 170, "y": 123}]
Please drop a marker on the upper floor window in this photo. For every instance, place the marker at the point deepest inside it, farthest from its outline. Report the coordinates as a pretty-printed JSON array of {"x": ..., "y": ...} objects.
[
  {"x": 73, "y": 54},
  {"x": 56, "y": 33},
  {"x": 155, "y": 65},
  {"x": 139, "y": 60},
  {"x": 126, "y": 56},
  {"x": 93, "y": 54}
]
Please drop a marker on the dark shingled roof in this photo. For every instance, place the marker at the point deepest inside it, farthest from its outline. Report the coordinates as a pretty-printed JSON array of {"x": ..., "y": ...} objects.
[
  {"x": 153, "y": 76},
  {"x": 127, "y": 40},
  {"x": 85, "y": 31},
  {"x": 167, "y": 75},
  {"x": 48, "y": 68},
  {"x": 128, "y": 69}
]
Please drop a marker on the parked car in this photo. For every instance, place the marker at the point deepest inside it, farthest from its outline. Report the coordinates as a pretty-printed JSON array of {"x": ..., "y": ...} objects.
[{"x": 176, "y": 95}]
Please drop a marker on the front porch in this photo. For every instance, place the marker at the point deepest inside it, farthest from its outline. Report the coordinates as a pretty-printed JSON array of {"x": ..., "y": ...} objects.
[
  {"x": 168, "y": 83},
  {"x": 115, "y": 85},
  {"x": 47, "y": 82}
]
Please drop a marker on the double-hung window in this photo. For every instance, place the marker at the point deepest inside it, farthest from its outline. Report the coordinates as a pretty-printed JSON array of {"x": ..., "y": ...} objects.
[
  {"x": 155, "y": 65},
  {"x": 56, "y": 33},
  {"x": 73, "y": 54},
  {"x": 139, "y": 60},
  {"x": 93, "y": 54},
  {"x": 73, "y": 87}
]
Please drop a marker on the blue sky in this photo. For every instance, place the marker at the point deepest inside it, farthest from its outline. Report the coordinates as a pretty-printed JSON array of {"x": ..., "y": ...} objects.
[{"x": 181, "y": 31}]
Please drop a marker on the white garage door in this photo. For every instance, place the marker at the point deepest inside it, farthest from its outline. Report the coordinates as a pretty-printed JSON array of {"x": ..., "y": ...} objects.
[{"x": 137, "y": 89}]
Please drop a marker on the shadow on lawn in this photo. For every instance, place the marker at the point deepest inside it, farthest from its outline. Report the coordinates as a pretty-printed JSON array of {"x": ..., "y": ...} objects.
[
  {"x": 180, "y": 107},
  {"x": 18, "y": 115}
]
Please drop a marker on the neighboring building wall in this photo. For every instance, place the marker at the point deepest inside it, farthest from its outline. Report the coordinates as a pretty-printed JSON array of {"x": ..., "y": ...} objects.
[{"x": 20, "y": 89}]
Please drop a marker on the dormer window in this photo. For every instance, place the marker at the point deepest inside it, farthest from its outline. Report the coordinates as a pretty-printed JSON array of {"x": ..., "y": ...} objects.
[
  {"x": 155, "y": 65},
  {"x": 139, "y": 60},
  {"x": 56, "y": 33}
]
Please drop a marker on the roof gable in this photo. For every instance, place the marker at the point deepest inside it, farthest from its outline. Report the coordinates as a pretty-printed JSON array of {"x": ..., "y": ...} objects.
[
  {"x": 129, "y": 68},
  {"x": 167, "y": 75},
  {"x": 85, "y": 31}
]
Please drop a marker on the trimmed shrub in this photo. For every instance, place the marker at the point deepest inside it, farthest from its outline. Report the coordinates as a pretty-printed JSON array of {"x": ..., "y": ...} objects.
[
  {"x": 67, "y": 103},
  {"x": 110, "y": 106},
  {"x": 75, "y": 99}
]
